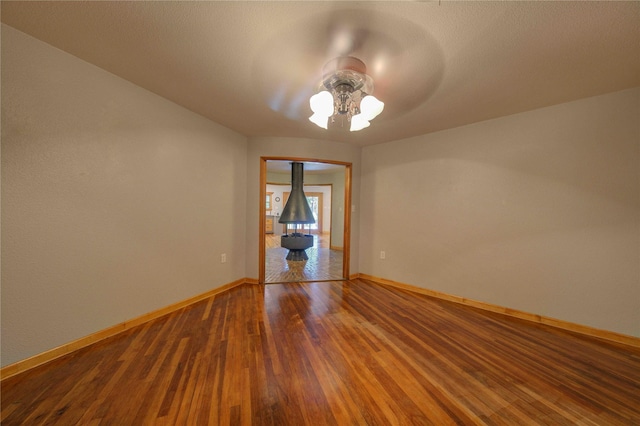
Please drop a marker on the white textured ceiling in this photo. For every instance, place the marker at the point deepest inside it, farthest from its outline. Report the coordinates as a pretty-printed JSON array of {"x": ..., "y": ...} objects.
[{"x": 251, "y": 66}]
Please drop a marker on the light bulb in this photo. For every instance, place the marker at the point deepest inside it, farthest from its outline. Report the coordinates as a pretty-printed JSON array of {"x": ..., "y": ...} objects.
[
  {"x": 320, "y": 120},
  {"x": 359, "y": 122},
  {"x": 370, "y": 107},
  {"x": 322, "y": 103}
]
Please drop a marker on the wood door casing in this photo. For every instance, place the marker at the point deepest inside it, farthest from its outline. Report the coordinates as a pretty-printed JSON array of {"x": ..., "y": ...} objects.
[{"x": 346, "y": 212}]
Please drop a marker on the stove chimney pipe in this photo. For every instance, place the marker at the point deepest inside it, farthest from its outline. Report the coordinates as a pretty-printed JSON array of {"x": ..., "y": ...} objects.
[{"x": 297, "y": 209}]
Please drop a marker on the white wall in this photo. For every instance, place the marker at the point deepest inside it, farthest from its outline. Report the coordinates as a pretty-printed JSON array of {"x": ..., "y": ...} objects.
[
  {"x": 538, "y": 211},
  {"x": 115, "y": 202},
  {"x": 298, "y": 148}
]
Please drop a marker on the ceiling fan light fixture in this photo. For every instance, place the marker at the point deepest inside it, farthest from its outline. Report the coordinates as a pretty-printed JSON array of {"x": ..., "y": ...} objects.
[
  {"x": 322, "y": 103},
  {"x": 371, "y": 107},
  {"x": 359, "y": 122},
  {"x": 345, "y": 92},
  {"x": 320, "y": 120}
]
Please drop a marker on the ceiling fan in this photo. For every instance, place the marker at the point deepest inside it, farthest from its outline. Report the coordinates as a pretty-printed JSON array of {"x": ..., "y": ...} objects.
[{"x": 348, "y": 54}]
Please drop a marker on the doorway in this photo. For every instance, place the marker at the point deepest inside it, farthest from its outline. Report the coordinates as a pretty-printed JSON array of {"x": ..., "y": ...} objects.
[{"x": 327, "y": 186}]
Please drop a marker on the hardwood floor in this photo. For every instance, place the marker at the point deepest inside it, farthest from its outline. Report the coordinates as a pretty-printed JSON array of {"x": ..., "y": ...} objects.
[{"x": 332, "y": 353}]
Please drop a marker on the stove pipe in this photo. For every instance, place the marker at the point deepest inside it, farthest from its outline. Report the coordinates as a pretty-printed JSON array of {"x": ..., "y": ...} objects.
[{"x": 297, "y": 209}]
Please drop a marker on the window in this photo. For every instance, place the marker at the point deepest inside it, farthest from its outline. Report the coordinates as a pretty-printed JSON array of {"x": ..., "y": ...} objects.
[{"x": 268, "y": 202}]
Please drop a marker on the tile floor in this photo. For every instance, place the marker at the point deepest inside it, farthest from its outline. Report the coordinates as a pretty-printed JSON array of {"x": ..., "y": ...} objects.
[{"x": 323, "y": 263}]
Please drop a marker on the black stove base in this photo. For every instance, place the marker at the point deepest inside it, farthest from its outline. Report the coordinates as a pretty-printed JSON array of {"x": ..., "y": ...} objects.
[
  {"x": 297, "y": 255},
  {"x": 297, "y": 244}
]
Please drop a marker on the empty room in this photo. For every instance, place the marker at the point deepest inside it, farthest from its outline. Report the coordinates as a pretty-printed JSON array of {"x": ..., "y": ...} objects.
[{"x": 320, "y": 213}]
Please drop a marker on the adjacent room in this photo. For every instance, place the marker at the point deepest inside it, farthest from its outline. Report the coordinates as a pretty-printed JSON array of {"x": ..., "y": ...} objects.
[
  {"x": 323, "y": 185},
  {"x": 322, "y": 213}
]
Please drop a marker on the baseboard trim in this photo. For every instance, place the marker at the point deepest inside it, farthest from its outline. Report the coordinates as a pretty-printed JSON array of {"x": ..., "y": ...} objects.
[
  {"x": 337, "y": 248},
  {"x": 565, "y": 325},
  {"x": 47, "y": 356}
]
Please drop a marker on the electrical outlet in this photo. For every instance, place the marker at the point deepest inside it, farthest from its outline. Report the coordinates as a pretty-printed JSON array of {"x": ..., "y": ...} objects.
[
  {"x": 223, "y": 258},
  {"x": 382, "y": 255}
]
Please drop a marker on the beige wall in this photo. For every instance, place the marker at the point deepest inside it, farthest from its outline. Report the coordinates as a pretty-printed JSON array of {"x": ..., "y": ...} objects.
[
  {"x": 298, "y": 148},
  {"x": 115, "y": 202},
  {"x": 538, "y": 211}
]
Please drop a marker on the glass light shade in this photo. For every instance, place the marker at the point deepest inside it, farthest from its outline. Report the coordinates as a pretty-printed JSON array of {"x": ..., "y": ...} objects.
[
  {"x": 319, "y": 120},
  {"x": 359, "y": 122},
  {"x": 322, "y": 103},
  {"x": 370, "y": 107}
]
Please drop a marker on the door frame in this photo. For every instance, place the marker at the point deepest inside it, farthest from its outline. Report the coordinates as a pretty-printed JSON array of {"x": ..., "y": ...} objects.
[{"x": 346, "y": 236}]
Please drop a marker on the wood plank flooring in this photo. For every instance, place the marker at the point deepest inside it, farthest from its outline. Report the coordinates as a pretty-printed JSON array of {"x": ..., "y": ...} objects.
[{"x": 332, "y": 353}]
